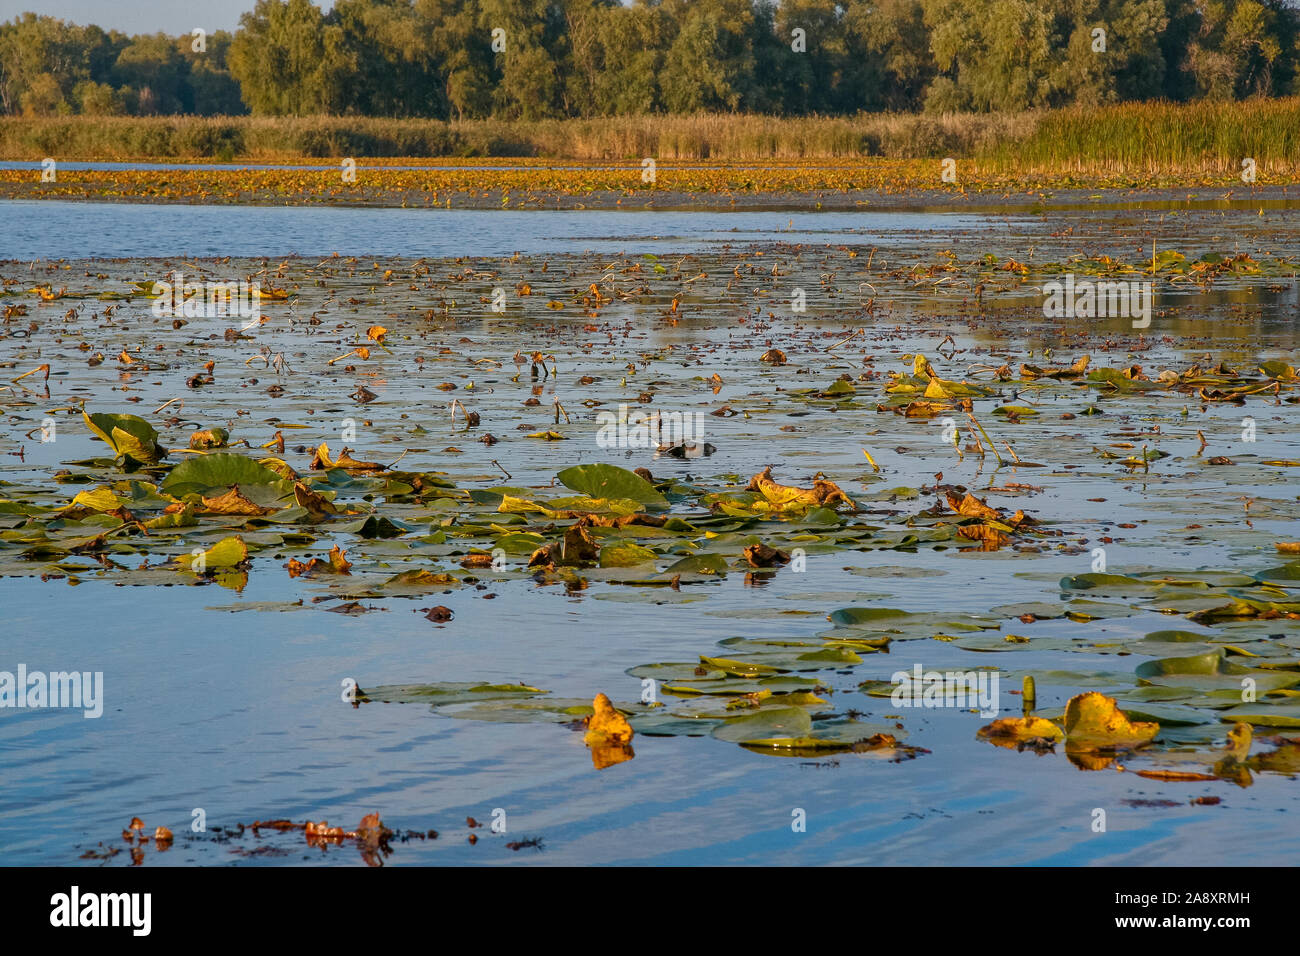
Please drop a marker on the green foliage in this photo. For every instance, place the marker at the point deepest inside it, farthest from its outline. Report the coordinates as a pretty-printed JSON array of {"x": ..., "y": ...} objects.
[
  {"x": 49, "y": 67},
  {"x": 534, "y": 60}
]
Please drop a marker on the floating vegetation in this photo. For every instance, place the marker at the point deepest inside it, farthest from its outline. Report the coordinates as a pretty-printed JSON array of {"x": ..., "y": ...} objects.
[
  {"x": 537, "y": 184},
  {"x": 381, "y": 440},
  {"x": 371, "y": 838}
]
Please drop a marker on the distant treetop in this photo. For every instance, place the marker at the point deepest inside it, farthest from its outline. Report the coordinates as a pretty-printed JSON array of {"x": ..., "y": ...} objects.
[{"x": 539, "y": 59}]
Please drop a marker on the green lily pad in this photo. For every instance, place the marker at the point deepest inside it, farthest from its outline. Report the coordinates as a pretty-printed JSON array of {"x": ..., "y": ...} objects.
[
  {"x": 1211, "y": 671},
  {"x": 445, "y": 692},
  {"x": 778, "y": 722},
  {"x": 1264, "y": 714},
  {"x": 129, "y": 436},
  {"x": 626, "y": 554},
  {"x": 219, "y": 471},
  {"x": 611, "y": 481}
]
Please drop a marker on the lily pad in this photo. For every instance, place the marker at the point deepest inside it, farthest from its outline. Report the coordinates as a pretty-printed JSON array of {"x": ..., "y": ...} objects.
[
  {"x": 611, "y": 481},
  {"x": 219, "y": 471}
]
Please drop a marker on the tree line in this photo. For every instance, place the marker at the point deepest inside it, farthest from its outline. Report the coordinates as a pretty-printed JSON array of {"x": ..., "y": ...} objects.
[{"x": 536, "y": 59}]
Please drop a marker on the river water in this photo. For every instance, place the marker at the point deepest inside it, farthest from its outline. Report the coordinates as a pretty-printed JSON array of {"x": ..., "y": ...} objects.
[{"x": 219, "y": 710}]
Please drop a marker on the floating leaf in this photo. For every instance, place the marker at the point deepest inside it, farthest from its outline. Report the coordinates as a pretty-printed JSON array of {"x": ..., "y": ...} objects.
[
  {"x": 1021, "y": 729},
  {"x": 606, "y": 725},
  {"x": 610, "y": 481},
  {"x": 217, "y": 472},
  {"x": 227, "y": 553},
  {"x": 776, "y": 722},
  {"x": 1094, "y": 723},
  {"x": 129, "y": 436}
]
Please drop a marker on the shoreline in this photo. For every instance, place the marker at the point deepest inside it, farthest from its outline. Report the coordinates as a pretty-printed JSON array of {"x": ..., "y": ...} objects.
[{"x": 987, "y": 201}]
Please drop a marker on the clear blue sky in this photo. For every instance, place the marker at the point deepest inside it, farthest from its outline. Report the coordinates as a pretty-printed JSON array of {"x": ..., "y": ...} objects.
[{"x": 140, "y": 16}]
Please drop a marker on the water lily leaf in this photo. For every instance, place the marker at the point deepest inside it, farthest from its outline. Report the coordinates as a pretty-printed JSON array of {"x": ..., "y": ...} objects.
[
  {"x": 865, "y": 616},
  {"x": 1279, "y": 370},
  {"x": 210, "y": 438},
  {"x": 1210, "y": 671},
  {"x": 666, "y": 725},
  {"x": 1094, "y": 723},
  {"x": 738, "y": 668},
  {"x": 1265, "y": 714},
  {"x": 185, "y": 518},
  {"x": 697, "y": 567},
  {"x": 227, "y": 553},
  {"x": 1107, "y": 584},
  {"x": 99, "y": 499},
  {"x": 520, "y": 542},
  {"x": 1019, "y": 729},
  {"x": 378, "y": 526},
  {"x": 777, "y": 722},
  {"x": 836, "y": 737},
  {"x": 445, "y": 692},
  {"x": 128, "y": 435},
  {"x": 1244, "y": 609},
  {"x": 675, "y": 671},
  {"x": 1288, "y": 575},
  {"x": 611, "y": 481},
  {"x": 420, "y": 581},
  {"x": 1176, "y": 636},
  {"x": 233, "y": 503},
  {"x": 1041, "y": 610},
  {"x": 822, "y": 494},
  {"x": 625, "y": 554},
  {"x": 727, "y": 686},
  {"x": 1082, "y": 610},
  {"x": 620, "y": 507},
  {"x": 518, "y": 506},
  {"x": 831, "y": 656},
  {"x": 1285, "y": 759},
  {"x": 892, "y": 571},
  {"x": 1166, "y": 715},
  {"x": 554, "y": 710},
  {"x": 219, "y": 471},
  {"x": 995, "y": 643},
  {"x": 606, "y": 725}
]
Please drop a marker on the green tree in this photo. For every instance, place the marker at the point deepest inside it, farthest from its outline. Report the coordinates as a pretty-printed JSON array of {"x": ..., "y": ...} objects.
[
  {"x": 42, "y": 59},
  {"x": 633, "y": 46},
  {"x": 529, "y": 68},
  {"x": 287, "y": 59},
  {"x": 213, "y": 90},
  {"x": 97, "y": 99},
  {"x": 1111, "y": 50},
  {"x": 812, "y": 58},
  {"x": 710, "y": 64},
  {"x": 157, "y": 73},
  {"x": 991, "y": 55},
  {"x": 386, "y": 65},
  {"x": 1241, "y": 49},
  {"x": 889, "y": 42}
]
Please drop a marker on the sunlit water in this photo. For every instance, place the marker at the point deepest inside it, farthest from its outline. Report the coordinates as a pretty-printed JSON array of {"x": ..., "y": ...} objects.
[
  {"x": 239, "y": 713},
  {"x": 55, "y": 230}
]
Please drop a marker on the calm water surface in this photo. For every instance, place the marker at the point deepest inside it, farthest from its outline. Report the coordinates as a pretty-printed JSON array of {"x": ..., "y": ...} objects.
[{"x": 238, "y": 712}]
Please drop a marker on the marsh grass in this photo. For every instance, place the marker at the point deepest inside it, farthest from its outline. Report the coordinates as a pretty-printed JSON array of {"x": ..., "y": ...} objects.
[
  {"x": 1127, "y": 138},
  {"x": 1140, "y": 137}
]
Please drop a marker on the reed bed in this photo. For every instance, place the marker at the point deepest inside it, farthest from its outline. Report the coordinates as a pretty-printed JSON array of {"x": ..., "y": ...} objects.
[{"x": 1119, "y": 139}]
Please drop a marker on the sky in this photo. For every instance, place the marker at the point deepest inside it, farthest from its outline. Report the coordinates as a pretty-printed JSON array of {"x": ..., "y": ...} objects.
[{"x": 140, "y": 16}]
